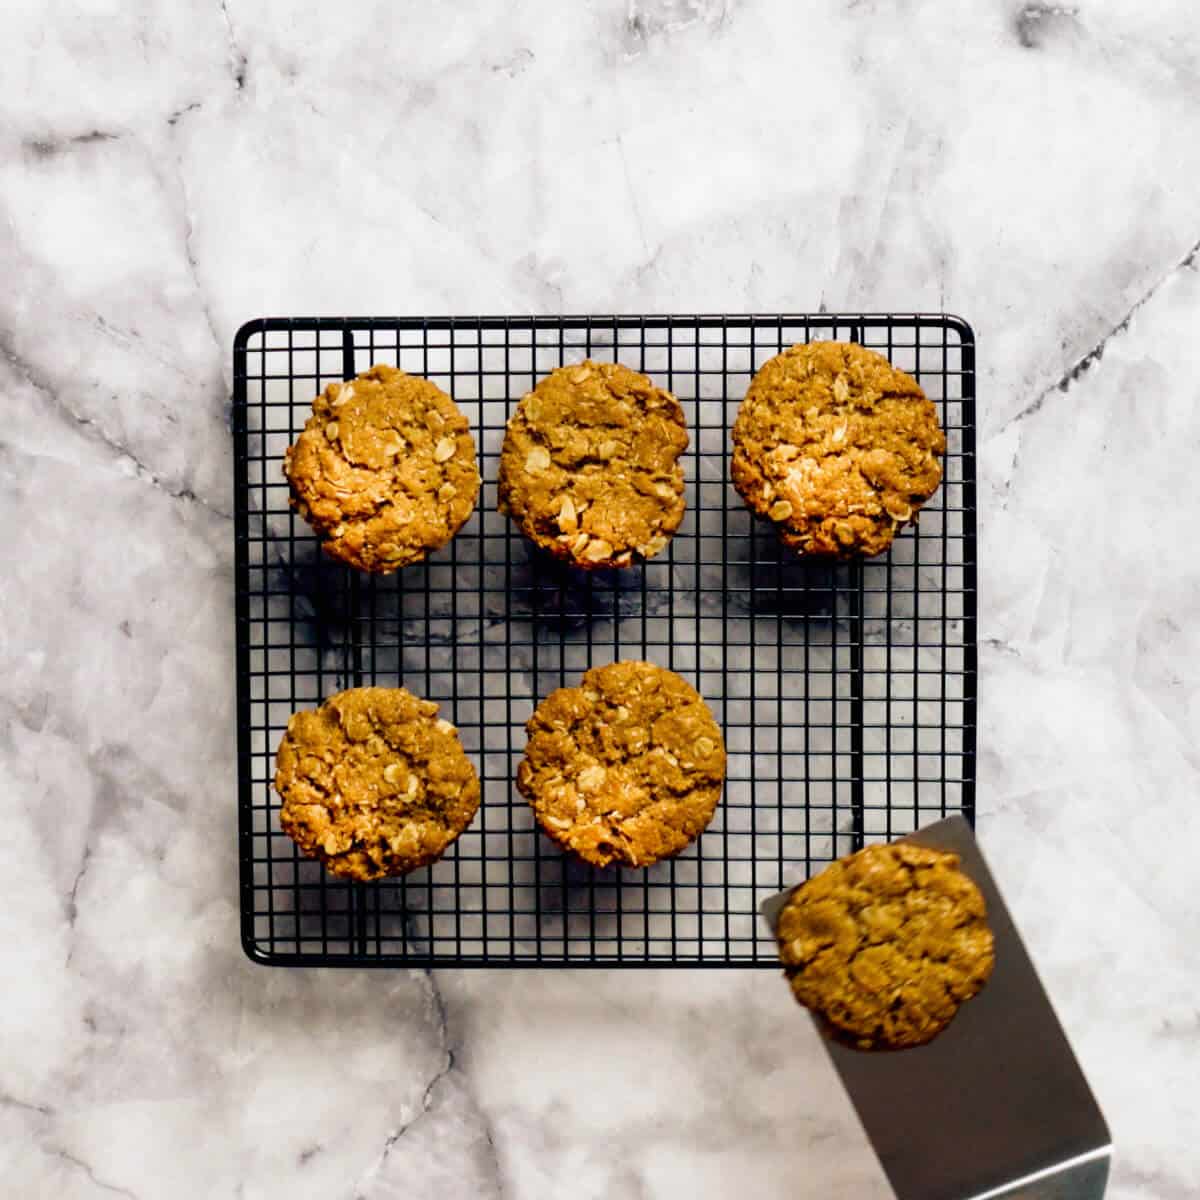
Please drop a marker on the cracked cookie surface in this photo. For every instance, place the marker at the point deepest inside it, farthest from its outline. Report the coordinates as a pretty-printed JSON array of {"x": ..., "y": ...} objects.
[
  {"x": 589, "y": 469},
  {"x": 837, "y": 448},
  {"x": 385, "y": 469},
  {"x": 887, "y": 944},
  {"x": 626, "y": 768},
  {"x": 374, "y": 783}
]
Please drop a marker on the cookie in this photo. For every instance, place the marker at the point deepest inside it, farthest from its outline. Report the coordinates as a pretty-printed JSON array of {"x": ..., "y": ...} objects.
[
  {"x": 838, "y": 448},
  {"x": 373, "y": 783},
  {"x": 626, "y": 768},
  {"x": 385, "y": 469},
  {"x": 886, "y": 944},
  {"x": 590, "y": 470}
]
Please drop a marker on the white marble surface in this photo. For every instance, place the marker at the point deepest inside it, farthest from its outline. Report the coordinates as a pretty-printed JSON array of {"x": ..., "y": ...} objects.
[{"x": 170, "y": 169}]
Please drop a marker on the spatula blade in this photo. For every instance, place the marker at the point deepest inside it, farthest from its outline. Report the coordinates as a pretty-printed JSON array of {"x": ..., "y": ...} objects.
[{"x": 996, "y": 1106}]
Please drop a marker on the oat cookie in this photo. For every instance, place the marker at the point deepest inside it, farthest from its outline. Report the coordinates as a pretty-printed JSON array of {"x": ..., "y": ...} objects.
[
  {"x": 626, "y": 768},
  {"x": 886, "y": 944},
  {"x": 589, "y": 469},
  {"x": 385, "y": 469},
  {"x": 837, "y": 447},
  {"x": 373, "y": 783}
]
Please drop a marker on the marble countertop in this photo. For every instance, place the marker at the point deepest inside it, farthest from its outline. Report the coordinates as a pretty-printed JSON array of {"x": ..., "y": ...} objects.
[{"x": 171, "y": 169}]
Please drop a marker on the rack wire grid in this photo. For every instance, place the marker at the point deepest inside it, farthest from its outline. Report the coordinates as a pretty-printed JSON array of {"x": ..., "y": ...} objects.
[{"x": 846, "y": 691}]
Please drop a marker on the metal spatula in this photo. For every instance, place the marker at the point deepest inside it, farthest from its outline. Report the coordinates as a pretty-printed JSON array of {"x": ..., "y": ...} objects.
[{"x": 996, "y": 1105}]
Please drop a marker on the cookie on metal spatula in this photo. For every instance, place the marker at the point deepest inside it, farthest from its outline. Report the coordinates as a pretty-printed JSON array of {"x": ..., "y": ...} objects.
[
  {"x": 886, "y": 944},
  {"x": 991, "y": 1103}
]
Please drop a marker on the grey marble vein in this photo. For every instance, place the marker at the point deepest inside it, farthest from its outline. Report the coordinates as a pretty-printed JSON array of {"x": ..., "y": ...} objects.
[
  {"x": 237, "y": 56},
  {"x": 96, "y": 1181},
  {"x": 1085, "y": 361},
  {"x": 92, "y": 427}
]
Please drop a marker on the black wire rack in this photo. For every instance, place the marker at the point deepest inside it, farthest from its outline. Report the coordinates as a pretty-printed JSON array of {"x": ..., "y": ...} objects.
[{"x": 846, "y": 691}]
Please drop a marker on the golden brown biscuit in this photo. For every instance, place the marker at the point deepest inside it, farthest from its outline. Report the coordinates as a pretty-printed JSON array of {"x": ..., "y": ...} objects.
[
  {"x": 589, "y": 469},
  {"x": 837, "y": 447},
  {"x": 373, "y": 783},
  {"x": 385, "y": 469},
  {"x": 886, "y": 944},
  {"x": 626, "y": 768}
]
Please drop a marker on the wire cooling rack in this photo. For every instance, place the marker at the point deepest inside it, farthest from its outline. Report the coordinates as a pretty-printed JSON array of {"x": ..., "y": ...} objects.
[{"x": 846, "y": 691}]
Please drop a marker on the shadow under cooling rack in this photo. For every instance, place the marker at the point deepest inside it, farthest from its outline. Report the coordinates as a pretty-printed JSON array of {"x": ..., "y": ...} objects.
[{"x": 846, "y": 691}]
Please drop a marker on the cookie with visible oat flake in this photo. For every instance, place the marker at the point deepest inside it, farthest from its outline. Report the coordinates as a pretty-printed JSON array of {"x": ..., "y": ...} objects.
[
  {"x": 887, "y": 944},
  {"x": 374, "y": 783},
  {"x": 589, "y": 469},
  {"x": 385, "y": 469},
  {"x": 836, "y": 447},
  {"x": 627, "y": 768}
]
